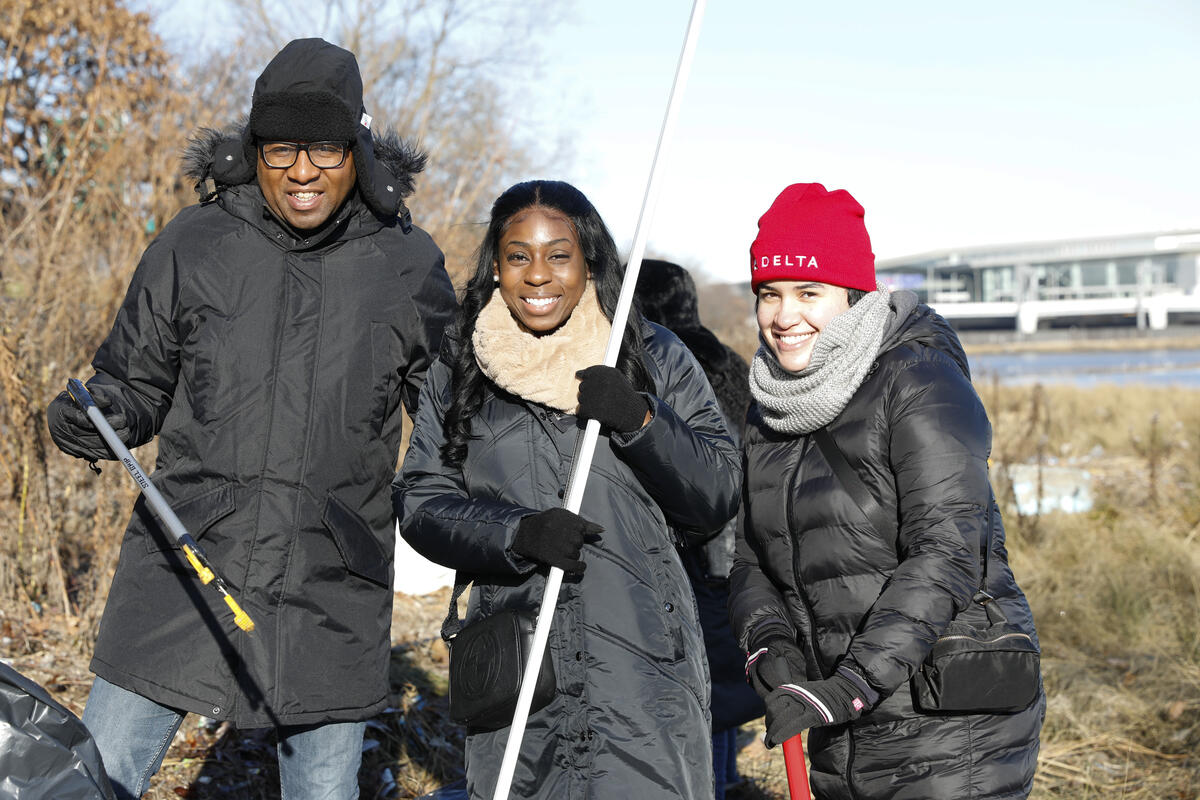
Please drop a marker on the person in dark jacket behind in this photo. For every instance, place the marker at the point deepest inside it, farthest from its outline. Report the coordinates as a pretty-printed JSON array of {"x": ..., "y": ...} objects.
[
  {"x": 836, "y": 615},
  {"x": 666, "y": 294},
  {"x": 482, "y": 485},
  {"x": 269, "y": 337}
]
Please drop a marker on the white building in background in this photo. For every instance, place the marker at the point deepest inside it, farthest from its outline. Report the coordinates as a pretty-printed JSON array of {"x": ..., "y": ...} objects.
[{"x": 1148, "y": 280}]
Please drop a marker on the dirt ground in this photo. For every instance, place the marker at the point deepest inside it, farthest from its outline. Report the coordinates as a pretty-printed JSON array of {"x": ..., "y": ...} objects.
[{"x": 410, "y": 749}]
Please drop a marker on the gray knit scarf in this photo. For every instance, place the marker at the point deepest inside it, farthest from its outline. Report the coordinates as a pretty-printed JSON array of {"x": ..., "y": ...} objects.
[{"x": 801, "y": 402}]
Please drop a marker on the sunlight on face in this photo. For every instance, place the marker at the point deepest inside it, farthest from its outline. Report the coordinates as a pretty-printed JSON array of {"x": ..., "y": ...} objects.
[
  {"x": 541, "y": 269},
  {"x": 791, "y": 315},
  {"x": 303, "y": 195}
]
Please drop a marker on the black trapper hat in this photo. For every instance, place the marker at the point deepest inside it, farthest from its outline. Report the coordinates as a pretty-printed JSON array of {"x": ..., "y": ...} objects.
[{"x": 312, "y": 91}]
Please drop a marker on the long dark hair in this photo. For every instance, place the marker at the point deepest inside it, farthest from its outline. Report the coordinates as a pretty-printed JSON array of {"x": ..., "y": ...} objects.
[{"x": 604, "y": 262}]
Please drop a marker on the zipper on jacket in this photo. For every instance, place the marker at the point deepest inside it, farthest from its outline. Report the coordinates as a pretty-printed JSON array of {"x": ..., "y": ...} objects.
[
  {"x": 955, "y": 636},
  {"x": 797, "y": 581},
  {"x": 850, "y": 761}
]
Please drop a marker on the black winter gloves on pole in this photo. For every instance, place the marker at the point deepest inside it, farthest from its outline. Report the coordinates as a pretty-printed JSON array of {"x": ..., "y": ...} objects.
[
  {"x": 776, "y": 669},
  {"x": 774, "y": 661},
  {"x": 75, "y": 434},
  {"x": 795, "y": 707},
  {"x": 555, "y": 537},
  {"x": 607, "y": 396}
]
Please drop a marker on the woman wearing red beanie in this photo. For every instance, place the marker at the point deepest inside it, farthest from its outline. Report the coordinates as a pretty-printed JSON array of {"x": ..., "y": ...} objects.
[{"x": 838, "y": 605}]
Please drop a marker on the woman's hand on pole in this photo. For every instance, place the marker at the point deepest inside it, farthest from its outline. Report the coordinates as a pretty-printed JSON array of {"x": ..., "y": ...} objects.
[
  {"x": 774, "y": 661},
  {"x": 796, "y": 707},
  {"x": 608, "y": 397},
  {"x": 555, "y": 537}
]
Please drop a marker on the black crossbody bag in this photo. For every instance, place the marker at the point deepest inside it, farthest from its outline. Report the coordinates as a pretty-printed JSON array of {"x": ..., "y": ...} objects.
[
  {"x": 487, "y": 664},
  {"x": 971, "y": 669}
]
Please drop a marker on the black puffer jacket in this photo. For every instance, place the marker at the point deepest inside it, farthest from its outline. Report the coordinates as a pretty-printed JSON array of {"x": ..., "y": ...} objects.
[
  {"x": 630, "y": 719},
  {"x": 667, "y": 295},
  {"x": 810, "y": 561},
  {"x": 273, "y": 370}
]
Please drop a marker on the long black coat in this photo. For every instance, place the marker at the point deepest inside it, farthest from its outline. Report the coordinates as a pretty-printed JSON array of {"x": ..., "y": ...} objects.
[
  {"x": 273, "y": 370},
  {"x": 808, "y": 559},
  {"x": 631, "y": 715}
]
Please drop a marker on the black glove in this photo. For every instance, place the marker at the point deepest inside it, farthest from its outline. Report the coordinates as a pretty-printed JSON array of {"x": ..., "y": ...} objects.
[
  {"x": 75, "y": 434},
  {"x": 555, "y": 537},
  {"x": 796, "y": 707},
  {"x": 777, "y": 660},
  {"x": 607, "y": 396}
]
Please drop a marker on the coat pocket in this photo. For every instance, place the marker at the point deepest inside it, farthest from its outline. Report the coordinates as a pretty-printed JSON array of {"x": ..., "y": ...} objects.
[
  {"x": 385, "y": 375},
  {"x": 356, "y": 542},
  {"x": 197, "y": 513}
]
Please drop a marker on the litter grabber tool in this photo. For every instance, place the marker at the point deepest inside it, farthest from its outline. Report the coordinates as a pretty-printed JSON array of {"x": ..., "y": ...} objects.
[
  {"x": 797, "y": 770},
  {"x": 586, "y": 446},
  {"x": 191, "y": 550}
]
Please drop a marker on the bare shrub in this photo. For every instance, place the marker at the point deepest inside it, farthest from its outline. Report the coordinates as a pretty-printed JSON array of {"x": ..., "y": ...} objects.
[
  {"x": 727, "y": 309},
  {"x": 89, "y": 123}
]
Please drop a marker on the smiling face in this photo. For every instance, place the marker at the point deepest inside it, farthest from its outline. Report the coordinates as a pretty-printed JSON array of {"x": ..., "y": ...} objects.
[
  {"x": 305, "y": 196},
  {"x": 791, "y": 315},
  {"x": 541, "y": 269}
]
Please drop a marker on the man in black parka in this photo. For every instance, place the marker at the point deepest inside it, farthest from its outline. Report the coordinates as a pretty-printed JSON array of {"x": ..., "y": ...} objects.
[{"x": 269, "y": 337}]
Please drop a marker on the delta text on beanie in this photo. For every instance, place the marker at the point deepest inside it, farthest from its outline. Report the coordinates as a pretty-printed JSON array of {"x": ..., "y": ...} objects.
[{"x": 810, "y": 234}]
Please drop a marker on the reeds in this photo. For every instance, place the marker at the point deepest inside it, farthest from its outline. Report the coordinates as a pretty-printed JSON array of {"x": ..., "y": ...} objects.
[{"x": 1115, "y": 591}]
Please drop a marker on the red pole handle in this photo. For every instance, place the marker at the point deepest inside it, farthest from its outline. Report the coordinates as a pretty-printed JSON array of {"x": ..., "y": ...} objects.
[{"x": 797, "y": 772}]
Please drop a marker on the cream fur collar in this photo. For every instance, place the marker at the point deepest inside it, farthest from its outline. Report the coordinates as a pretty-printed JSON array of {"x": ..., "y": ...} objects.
[{"x": 541, "y": 369}]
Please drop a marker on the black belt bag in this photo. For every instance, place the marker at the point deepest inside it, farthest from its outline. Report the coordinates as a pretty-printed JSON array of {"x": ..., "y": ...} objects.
[
  {"x": 487, "y": 665},
  {"x": 970, "y": 670}
]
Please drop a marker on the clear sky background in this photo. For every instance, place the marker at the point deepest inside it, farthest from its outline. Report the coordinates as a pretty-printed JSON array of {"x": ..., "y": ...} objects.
[{"x": 953, "y": 123}]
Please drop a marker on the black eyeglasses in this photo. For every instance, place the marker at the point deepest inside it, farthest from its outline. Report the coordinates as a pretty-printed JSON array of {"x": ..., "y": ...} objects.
[{"x": 323, "y": 155}]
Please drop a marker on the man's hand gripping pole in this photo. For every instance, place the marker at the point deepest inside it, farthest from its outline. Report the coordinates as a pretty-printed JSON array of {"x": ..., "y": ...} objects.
[{"x": 187, "y": 544}]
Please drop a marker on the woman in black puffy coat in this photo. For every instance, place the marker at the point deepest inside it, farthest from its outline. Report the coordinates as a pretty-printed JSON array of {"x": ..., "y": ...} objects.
[
  {"x": 836, "y": 615},
  {"x": 482, "y": 487}
]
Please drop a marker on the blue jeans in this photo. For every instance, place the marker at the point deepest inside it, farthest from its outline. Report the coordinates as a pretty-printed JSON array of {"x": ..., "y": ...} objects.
[
  {"x": 725, "y": 770},
  {"x": 316, "y": 762}
]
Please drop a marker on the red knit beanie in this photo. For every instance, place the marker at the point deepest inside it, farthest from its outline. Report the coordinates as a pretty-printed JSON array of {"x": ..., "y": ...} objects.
[{"x": 809, "y": 234}]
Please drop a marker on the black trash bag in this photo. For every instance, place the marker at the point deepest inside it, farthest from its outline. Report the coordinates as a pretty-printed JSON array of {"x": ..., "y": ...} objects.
[{"x": 45, "y": 751}]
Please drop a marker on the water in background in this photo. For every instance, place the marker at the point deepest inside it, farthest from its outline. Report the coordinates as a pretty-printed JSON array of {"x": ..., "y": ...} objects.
[{"x": 1165, "y": 367}]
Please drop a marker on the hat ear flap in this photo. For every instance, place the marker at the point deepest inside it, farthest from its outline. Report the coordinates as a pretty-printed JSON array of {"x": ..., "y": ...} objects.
[
  {"x": 379, "y": 188},
  {"x": 234, "y": 161}
]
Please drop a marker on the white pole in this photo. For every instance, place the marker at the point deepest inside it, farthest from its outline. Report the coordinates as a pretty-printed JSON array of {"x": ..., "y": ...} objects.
[{"x": 587, "y": 444}]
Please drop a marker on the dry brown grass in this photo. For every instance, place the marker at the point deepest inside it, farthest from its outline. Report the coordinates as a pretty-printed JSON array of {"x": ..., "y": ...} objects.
[
  {"x": 1115, "y": 591},
  {"x": 86, "y": 184},
  {"x": 1116, "y": 595},
  {"x": 1085, "y": 341}
]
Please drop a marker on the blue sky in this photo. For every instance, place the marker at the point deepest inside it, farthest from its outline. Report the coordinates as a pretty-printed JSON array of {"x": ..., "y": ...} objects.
[{"x": 953, "y": 123}]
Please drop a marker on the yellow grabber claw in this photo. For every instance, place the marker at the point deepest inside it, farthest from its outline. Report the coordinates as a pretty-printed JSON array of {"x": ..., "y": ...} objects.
[
  {"x": 192, "y": 550},
  {"x": 240, "y": 617},
  {"x": 206, "y": 574}
]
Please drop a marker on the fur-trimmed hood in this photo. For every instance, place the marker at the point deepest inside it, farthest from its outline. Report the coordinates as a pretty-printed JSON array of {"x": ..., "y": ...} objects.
[
  {"x": 666, "y": 294},
  {"x": 215, "y": 159}
]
